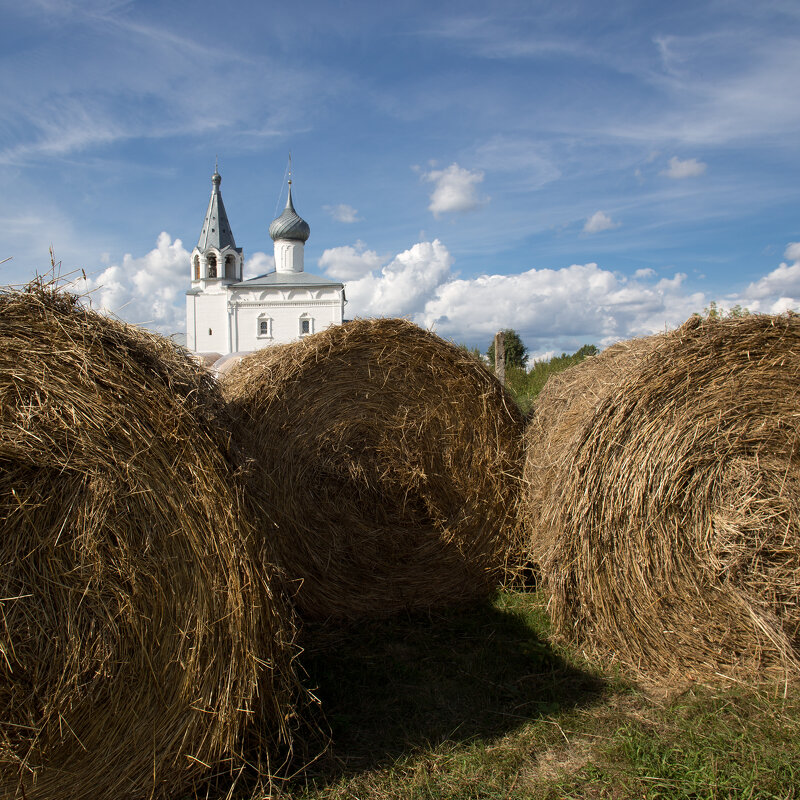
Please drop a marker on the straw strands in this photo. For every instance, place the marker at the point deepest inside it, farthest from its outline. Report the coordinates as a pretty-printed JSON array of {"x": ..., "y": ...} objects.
[
  {"x": 390, "y": 461},
  {"x": 140, "y": 643},
  {"x": 663, "y": 501}
]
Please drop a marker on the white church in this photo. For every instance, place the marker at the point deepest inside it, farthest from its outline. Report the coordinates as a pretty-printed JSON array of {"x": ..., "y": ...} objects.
[{"x": 227, "y": 315}]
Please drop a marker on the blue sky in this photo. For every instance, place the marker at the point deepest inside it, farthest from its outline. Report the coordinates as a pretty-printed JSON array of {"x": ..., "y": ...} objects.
[{"x": 582, "y": 172}]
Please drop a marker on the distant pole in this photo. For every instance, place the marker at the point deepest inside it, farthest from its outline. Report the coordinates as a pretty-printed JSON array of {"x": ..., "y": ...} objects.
[{"x": 500, "y": 356}]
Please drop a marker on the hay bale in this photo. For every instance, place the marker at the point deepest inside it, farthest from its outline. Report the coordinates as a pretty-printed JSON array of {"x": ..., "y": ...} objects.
[
  {"x": 663, "y": 501},
  {"x": 134, "y": 621},
  {"x": 391, "y": 459}
]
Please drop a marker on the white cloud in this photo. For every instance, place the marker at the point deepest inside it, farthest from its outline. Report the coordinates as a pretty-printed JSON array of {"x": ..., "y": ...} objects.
[
  {"x": 342, "y": 213},
  {"x": 540, "y": 355},
  {"x": 689, "y": 168},
  {"x": 582, "y": 303},
  {"x": 553, "y": 310},
  {"x": 146, "y": 290},
  {"x": 599, "y": 221},
  {"x": 403, "y": 285},
  {"x": 792, "y": 251},
  {"x": 349, "y": 262},
  {"x": 258, "y": 264},
  {"x": 777, "y": 291},
  {"x": 455, "y": 189}
]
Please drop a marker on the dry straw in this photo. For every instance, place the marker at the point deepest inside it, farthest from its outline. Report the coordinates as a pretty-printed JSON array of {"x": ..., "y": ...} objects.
[
  {"x": 663, "y": 501},
  {"x": 140, "y": 644},
  {"x": 393, "y": 459}
]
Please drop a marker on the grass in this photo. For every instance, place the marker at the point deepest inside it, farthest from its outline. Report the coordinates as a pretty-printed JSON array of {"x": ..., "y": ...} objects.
[{"x": 476, "y": 704}]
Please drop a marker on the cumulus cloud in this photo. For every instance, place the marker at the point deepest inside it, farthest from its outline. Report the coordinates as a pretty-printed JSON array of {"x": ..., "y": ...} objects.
[
  {"x": 690, "y": 168},
  {"x": 599, "y": 221},
  {"x": 578, "y": 304},
  {"x": 792, "y": 251},
  {"x": 146, "y": 290},
  {"x": 403, "y": 285},
  {"x": 258, "y": 264},
  {"x": 777, "y": 291},
  {"x": 454, "y": 189},
  {"x": 342, "y": 213},
  {"x": 553, "y": 310},
  {"x": 349, "y": 262}
]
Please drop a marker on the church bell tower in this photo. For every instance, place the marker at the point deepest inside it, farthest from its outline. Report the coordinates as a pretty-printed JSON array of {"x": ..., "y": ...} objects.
[{"x": 216, "y": 258}]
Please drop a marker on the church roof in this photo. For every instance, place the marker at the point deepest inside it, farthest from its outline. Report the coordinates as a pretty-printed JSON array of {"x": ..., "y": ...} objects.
[
  {"x": 287, "y": 279},
  {"x": 216, "y": 228},
  {"x": 289, "y": 225}
]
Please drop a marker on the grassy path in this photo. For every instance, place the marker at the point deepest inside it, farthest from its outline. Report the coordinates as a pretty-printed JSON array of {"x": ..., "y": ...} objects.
[{"x": 476, "y": 704}]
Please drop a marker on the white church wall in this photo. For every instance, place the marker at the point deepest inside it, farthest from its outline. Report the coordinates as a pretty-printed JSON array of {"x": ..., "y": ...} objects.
[
  {"x": 288, "y": 256},
  {"x": 210, "y": 330},
  {"x": 283, "y": 317},
  {"x": 224, "y": 319}
]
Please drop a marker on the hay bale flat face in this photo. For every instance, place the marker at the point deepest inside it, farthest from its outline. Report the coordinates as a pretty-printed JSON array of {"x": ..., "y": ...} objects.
[
  {"x": 133, "y": 622},
  {"x": 664, "y": 501},
  {"x": 389, "y": 461}
]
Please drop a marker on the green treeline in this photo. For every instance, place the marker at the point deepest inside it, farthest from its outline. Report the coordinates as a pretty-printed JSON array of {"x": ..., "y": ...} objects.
[{"x": 525, "y": 384}]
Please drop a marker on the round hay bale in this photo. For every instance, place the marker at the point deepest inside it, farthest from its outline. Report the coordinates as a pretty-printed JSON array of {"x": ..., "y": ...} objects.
[
  {"x": 135, "y": 624},
  {"x": 392, "y": 461},
  {"x": 663, "y": 501}
]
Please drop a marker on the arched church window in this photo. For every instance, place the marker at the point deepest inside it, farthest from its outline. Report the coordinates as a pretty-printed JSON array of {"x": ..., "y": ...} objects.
[
  {"x": 265, "y": 327},
  {"x": 211, "y": 260},
  {"x": 306, "y": 325},
  {"x": 230, "y": 267},
  {"x": 197, "y": 268}
]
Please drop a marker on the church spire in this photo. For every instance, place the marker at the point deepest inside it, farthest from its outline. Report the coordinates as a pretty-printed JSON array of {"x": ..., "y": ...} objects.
[
  {"x": 216, "y": 228},
  {"x": 216, "y": 256}
]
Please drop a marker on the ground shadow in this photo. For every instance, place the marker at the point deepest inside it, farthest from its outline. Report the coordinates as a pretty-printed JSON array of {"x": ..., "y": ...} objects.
[{"x": 388, "y": 687}]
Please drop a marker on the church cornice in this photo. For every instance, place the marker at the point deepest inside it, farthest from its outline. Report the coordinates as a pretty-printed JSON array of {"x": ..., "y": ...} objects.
[{"x": 333, "y": 301}]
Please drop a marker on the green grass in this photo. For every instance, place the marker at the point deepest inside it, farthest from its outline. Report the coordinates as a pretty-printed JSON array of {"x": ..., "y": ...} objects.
[{"x": 475, "y": 703}]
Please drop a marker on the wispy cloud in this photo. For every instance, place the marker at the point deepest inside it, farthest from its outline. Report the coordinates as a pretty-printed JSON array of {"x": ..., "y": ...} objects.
[
  {"x": 342, "y": 213},
  {"x": 140, "y": 80},
  {"x": 524, "y": 162}
]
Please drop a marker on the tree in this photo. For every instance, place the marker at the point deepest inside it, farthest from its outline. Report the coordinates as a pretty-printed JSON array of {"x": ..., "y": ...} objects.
[
  {"x": 473, "y": 351},
  {"x": 713, "y": 311},
  {"x": 516, "y": 352},
  {"x": 586, "y": 351}
]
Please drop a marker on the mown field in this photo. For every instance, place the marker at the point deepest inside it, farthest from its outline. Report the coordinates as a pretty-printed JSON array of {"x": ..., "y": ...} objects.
[{"x": 475, "y": 703}]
